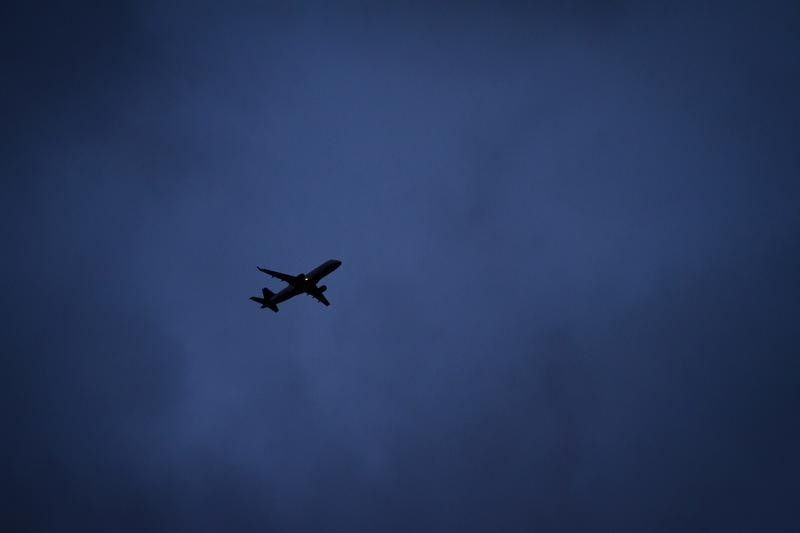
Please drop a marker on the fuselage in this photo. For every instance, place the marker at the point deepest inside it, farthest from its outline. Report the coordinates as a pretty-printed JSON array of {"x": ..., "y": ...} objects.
[
  {"x": 306, "y": 283},
  {"x": 323, "y": 270}
]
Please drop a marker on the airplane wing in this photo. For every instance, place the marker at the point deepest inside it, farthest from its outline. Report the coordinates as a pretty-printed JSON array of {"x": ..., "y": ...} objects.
[
  {"x": 280, "y": 275},
  {"x": 318, "y": 296}
]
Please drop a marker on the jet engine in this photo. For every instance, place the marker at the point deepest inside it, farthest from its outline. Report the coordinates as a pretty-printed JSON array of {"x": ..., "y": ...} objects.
[{"x": 323, "y": 288}]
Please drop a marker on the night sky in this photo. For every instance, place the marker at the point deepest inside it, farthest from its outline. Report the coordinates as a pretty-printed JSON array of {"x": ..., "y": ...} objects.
[{"x": 569, "y": 297}]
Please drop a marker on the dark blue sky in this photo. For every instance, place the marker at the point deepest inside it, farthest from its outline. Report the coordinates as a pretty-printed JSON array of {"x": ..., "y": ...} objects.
[{"x": 569, "y": 295}]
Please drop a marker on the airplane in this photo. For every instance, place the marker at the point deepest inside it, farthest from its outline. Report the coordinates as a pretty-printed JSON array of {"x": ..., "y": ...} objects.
[{"x": 299, "y": 284}]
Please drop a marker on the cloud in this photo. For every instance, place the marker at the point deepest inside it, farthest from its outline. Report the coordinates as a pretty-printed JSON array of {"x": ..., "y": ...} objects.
[{"x": 566, "y": 296}]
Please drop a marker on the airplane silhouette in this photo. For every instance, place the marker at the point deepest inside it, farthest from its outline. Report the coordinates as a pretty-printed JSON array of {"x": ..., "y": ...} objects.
[{"x": 299, "y": 284}]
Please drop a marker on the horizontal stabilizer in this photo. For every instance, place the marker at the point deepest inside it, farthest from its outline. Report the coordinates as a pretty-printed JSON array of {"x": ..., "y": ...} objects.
[{"x": 265, "y": 302}]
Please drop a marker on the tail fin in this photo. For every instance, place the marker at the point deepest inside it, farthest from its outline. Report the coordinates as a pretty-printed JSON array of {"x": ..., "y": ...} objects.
[{"x": 265, "y": 301}]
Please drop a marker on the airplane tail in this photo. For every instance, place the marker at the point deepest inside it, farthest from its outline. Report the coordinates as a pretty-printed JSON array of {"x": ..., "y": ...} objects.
[{"x": 265, "y": 301}]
